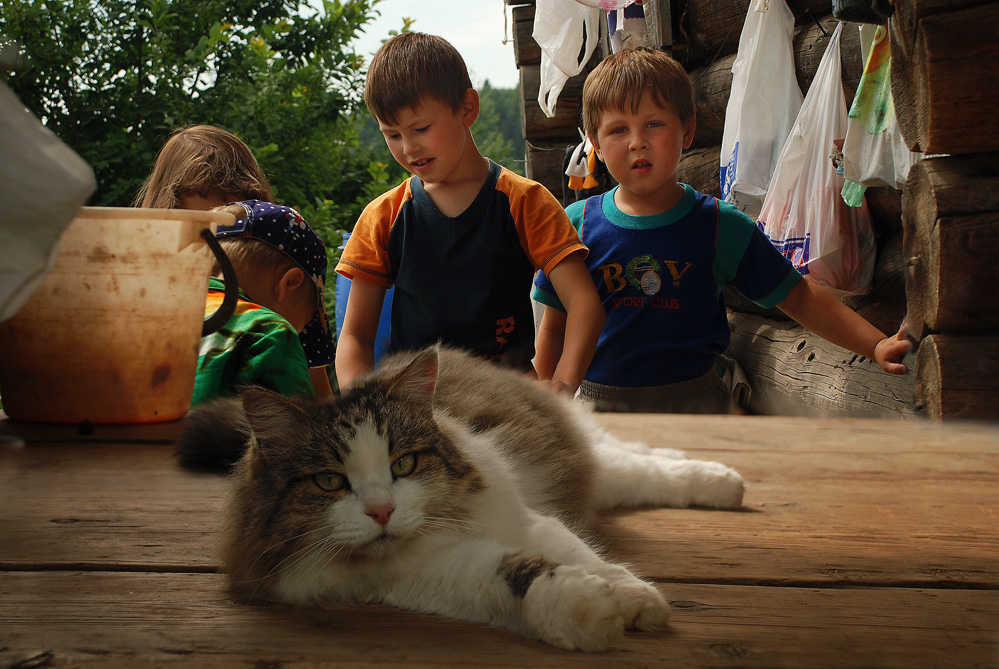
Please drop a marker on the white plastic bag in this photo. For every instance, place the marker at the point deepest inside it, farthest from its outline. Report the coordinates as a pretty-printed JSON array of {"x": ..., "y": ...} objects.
[
  {"x": 762, "y": 105},
  {"x": 803, "y": 213},
  {"x": 43, "y": 184},
  {"x": 874, "y": 153},
  {"x": 567, "y": 33}
]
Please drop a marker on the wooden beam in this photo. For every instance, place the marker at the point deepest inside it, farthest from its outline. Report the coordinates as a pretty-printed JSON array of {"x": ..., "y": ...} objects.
[
  {"x": 950, "y": 213},
  {"x": 956, "y": 377},
  {"x": 943, "y": 65}
]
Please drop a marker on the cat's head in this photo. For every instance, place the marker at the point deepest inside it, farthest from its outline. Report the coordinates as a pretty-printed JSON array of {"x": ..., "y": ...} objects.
[{"x": 353, "y": 479}]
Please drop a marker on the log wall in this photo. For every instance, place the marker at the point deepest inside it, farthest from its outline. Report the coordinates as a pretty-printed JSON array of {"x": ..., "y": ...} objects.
[{"x": 944, "y": 57}]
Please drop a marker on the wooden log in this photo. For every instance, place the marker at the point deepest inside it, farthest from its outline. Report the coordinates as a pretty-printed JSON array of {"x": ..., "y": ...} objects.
[
  {"x": 941, "y": 63},
  {"x": 951, "y": 221},
  {"x": 797, "y": 373},
  {"x": 526, "y": 50},
  {"x": 712, "y": 88},
  {"x": 956, "y": 377},
  {"x": 699, "y": 168},
  {"x": 564, "y": 125},
  {"x": 810, "y": 42},
  {"x": 713, "y": 84},
  {"x": 713, "y": 27},
  {"x": 545, "y": 164}
]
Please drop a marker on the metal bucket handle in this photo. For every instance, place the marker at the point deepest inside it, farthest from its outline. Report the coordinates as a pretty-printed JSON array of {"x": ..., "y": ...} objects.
[{"x": 228, "y": 306}]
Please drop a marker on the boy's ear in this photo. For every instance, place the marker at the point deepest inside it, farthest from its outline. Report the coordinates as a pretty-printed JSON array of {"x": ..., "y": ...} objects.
[
  {"x": 470, "y": 107},
  {"x": 596, "y": 147},
  {"x": 289, "y": 282},
  {"x": 688, "y": 131}
]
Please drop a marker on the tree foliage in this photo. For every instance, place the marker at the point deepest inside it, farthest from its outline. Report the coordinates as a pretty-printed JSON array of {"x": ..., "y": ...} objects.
[{"x": 113, "y": 78}]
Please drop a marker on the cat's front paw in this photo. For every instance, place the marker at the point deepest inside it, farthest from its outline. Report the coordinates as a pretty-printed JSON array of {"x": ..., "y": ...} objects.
[
  {"x": 573, "y": 609},
  {"x": 643, "y": 607},
  {"x": 717, "y": 486}
]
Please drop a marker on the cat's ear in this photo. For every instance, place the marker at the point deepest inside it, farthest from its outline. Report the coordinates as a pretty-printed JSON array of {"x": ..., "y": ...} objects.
[
  {"x": 274, "y": 420},
  {"x": 418, "y": 380}
]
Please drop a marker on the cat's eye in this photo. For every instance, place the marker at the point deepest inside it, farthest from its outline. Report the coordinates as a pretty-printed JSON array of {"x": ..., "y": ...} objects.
[
  {"x": 405, "y": 465},
  {"x": 330, "y": 482}
]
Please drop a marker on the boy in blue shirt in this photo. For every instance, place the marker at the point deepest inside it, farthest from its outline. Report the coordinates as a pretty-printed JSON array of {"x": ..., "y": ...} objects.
[{"x": 661, "y": 254}]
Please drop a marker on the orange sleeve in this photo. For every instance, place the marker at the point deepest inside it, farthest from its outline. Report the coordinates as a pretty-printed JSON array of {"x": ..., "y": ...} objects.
[
  {"x": 365, "y": 255},
  {"x": 542, "y": 225}
]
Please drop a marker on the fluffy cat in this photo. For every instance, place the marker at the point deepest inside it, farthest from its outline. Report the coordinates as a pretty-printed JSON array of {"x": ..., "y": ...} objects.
[{"x": 445, "y": 485}]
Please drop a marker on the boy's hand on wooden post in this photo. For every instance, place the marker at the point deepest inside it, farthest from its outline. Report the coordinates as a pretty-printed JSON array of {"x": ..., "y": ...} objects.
[{"x": 890, "y": 351}]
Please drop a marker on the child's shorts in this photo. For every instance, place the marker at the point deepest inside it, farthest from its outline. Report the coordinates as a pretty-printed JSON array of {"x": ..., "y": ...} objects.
[{"x": 708, "y": 393}]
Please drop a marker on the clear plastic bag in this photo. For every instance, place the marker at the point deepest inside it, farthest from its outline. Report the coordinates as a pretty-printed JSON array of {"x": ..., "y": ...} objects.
[
  {"x": 567, "y": 32},
  {"x": 803, "y": 213},
  {"x": 762, "y": 106},
  {"x": 43, "y": 183}
]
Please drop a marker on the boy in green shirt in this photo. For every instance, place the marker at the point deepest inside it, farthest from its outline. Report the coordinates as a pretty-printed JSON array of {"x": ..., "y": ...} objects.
[{"x": 280, "y": 265}]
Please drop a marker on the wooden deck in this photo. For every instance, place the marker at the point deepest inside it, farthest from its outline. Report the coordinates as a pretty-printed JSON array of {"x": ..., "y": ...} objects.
[{"x": 861, "y": 544}]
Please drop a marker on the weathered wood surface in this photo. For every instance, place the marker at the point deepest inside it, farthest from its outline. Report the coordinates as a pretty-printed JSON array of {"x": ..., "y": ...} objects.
[
  {"x": 950, "y": 212},
  {"x": 107, "y": 559},
  {"x": 958, "y": 377},
  {"x": 526, "y": 50},
  {"x": 699, "y": 168},
  {"x": 944, "y": 55},
  {"x": 794, "y": 372},
  {"x": 190, "y": 620},
  {"x": 713, "y": 27}
]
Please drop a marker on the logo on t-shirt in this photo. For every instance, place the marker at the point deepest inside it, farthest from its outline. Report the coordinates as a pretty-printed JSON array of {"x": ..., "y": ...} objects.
[{"x": 643, "y": 273}]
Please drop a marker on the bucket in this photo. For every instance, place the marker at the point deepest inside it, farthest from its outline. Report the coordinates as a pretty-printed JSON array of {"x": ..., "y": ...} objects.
[
  {"x": 112, "y": 334},
  {"x": 383, "y": 338}
]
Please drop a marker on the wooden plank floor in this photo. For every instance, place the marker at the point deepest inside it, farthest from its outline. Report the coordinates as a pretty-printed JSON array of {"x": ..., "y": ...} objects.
[{"x": 861, "y": 543}]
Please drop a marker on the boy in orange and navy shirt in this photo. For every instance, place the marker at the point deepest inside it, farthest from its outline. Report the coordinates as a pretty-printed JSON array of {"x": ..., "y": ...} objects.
[{"x": 461, "y": 240}]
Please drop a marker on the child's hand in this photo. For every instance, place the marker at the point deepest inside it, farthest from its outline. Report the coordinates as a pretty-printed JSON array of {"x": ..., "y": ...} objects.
[
  {"x": 889, "y": 352},
  {"x": 559, "y": 388}
]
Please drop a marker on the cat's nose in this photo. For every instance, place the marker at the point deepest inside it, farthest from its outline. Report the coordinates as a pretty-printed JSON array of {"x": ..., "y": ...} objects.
[{"x": 380, "y": 513}]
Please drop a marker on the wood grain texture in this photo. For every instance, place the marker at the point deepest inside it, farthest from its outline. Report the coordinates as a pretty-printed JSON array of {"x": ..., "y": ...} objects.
[
  {"x": 100, "y": 620},
  {"x": 860, "y": 543},
  {"x": 950, "y": 213}
]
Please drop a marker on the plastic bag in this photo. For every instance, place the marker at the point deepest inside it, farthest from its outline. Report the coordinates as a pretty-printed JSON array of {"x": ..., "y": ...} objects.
[
  {"x": 43, "y": 184},
  {"x": 803, "y": 213},
  {"x": 762, "y": 106},
  {"x": 567, "y": 33},
  {"x": 874, "y": 153}
]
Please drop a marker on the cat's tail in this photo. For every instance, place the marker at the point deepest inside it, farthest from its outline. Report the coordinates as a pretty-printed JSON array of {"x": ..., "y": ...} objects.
[{"x": 214, "y": 436}]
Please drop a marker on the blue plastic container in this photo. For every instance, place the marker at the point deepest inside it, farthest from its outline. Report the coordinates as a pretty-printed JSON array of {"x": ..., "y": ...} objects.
[{"x": 383, "y": 339}]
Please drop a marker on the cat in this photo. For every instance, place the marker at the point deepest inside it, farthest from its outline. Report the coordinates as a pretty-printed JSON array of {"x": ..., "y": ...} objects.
[{"x": 445, "y": 485}]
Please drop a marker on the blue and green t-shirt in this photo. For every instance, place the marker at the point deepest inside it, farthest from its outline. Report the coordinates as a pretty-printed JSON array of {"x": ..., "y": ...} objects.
[{"x": 661, "y": 280}]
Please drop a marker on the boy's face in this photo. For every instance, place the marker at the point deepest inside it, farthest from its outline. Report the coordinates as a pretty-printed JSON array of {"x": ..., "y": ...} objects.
[
  {"x": 429, "y": 140},
  {"x": 642, "y": 151}
]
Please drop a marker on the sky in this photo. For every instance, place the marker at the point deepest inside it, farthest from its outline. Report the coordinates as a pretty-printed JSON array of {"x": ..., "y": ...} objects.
[{"x": 475, "y": 28}]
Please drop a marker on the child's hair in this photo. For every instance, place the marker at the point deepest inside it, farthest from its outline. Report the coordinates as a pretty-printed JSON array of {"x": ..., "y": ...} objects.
[
  {"x": 621, "y": 79},
  {"x": 411, "y": 67},
  {"x": 203, "y": 160}
]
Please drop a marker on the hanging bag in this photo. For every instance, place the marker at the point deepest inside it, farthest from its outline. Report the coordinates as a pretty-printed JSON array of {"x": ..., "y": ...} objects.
[
  {"x": 567, "y": 33},
  {"x": 43, "y": 183},
  {"x": 762, "y": 106},
  {"x": 874, "y": 153},
  {"x": 803, "y": 213}
]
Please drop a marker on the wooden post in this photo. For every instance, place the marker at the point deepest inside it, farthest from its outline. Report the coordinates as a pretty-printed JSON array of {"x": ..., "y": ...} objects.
[
  {"x": 956, "y": 377},
  {"x": 944, "y": 57},
  {"x": 950, "y": 213}
]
